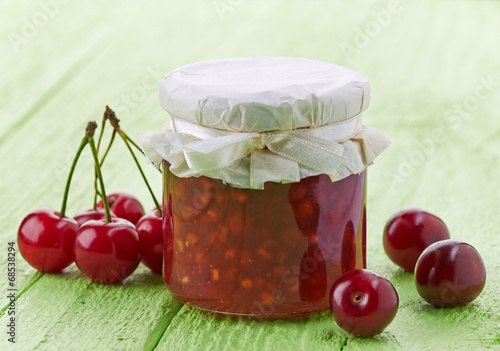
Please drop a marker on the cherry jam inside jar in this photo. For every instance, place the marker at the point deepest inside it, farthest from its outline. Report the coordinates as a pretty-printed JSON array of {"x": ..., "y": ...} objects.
[{"x": 274, "y": 252}]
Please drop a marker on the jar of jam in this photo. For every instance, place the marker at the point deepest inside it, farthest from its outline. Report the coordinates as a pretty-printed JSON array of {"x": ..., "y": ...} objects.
[{"x": 264, "y": 182}]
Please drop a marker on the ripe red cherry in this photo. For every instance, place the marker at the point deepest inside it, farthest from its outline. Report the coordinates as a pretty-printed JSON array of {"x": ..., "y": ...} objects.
[
  {"x": 150, "y": 232},
  {"x": 46, "y": 240},
  {"x": 124, "y": 206},
  {"x": 87, "y": 215},
  {"x": 408, "y": 232},
  {"x": 363, "y": 303},
  {"x": 107, "y": 253},
  {"x": 450, "y": 273}
]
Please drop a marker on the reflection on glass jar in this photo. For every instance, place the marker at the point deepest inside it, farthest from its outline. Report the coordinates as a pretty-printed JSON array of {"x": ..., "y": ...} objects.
[{"x": 273, "y": 252}]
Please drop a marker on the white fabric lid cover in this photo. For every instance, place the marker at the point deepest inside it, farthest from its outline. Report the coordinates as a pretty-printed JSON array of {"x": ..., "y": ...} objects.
[
  {"x": 248, "y": 121},
  {"x": 260, "y": 94}
]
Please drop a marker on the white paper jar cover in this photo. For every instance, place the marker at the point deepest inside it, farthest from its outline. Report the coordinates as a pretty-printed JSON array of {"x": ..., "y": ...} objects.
[{"x": 253, "y": 120}]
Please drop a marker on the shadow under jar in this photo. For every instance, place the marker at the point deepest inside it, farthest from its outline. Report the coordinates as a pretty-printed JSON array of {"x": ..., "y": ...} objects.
[{"x": 274, "y": 252}]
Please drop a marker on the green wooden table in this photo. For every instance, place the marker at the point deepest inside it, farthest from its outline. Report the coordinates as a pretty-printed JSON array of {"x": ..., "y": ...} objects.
[{"x": 434, "y": 67}]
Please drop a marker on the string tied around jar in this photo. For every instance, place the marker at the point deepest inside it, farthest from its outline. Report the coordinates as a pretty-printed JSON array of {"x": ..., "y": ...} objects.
[
  {"x": 249, "y": 159},
  {"x": 315, "y": 148}
]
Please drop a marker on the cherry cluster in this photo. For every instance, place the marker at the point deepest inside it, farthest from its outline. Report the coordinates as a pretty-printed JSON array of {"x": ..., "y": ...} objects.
[
  {"x": 448, "y": 273},
  {"x": 107, "y": 242}
]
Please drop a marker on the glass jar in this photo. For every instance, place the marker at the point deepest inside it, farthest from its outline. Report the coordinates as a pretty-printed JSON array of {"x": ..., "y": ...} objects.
[
  {"x": 269, "y": 253},
  {"x": 264, "y": 165}
]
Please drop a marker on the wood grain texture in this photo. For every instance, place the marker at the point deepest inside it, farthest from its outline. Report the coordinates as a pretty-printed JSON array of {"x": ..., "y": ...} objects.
[
  {"x": 195, "y": 330},
  {"x": 428, "y": 60}
]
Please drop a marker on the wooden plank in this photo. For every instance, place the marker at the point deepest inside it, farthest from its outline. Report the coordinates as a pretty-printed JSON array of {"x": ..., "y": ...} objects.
[
  {"x": 195, "y": 330},
  {"x": 69, "y": 312}
]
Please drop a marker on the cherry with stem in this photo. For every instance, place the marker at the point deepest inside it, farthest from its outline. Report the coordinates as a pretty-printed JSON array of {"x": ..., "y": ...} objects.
[
  {"x": 93, "y": 213},
  {"x": 45, "y": 236},
  {"x": 106, "y": 251},
  {"x": 149, "y": 226}
]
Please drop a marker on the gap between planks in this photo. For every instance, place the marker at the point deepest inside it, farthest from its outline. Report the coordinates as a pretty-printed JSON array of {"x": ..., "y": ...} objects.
[
  {"x": 166, "y": 327},
  {"x": 21, "y": 293}
]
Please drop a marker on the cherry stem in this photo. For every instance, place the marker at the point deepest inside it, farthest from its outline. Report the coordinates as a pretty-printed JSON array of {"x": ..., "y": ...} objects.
[
  {"x": 158, "y": 207},
  {"x": 115, "y": 123},
  {"x": 103, "y": 125},
  {"x": 108, "y": 148},
  {"x": 96, "y": 192},
  {"x": 72, "y": 170},
  {"x": 99, "y": 176},
  {"x": 132, "y": 142}
]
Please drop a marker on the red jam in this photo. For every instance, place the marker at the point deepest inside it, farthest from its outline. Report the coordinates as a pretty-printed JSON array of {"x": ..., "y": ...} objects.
[{"x": 265, "y": 253}]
